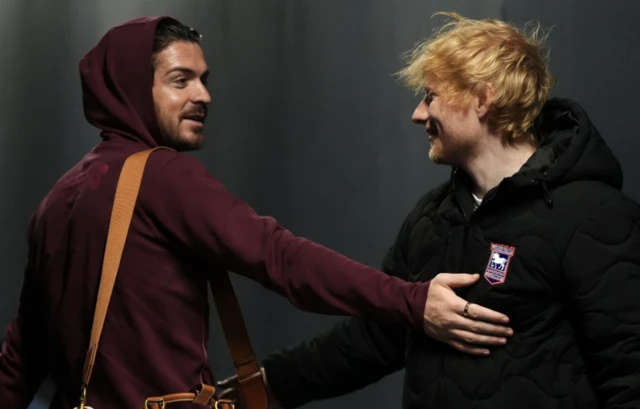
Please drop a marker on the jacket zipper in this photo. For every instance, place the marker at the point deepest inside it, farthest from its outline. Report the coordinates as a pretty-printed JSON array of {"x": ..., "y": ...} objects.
[
  {"x": 465, "y": 236},
  {"x": 465, "y": 241}
]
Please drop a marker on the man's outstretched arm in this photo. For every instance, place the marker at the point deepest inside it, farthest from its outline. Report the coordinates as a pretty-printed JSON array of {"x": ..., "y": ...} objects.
[
  {"x": 357, "y": 352},
  {"x": 354, "y": 354}
]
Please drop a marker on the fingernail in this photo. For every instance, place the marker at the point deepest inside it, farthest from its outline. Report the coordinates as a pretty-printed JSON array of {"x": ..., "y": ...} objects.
[
  {"x": 503, "y": 341},
  {"x": 510, "y": 332},
  {"x": 505, "y": 320},
  {"x": 485, "y": 352}
]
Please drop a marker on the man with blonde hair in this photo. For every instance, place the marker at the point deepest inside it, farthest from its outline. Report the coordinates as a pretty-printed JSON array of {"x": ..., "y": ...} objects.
[{"x": 534, "y": 204}]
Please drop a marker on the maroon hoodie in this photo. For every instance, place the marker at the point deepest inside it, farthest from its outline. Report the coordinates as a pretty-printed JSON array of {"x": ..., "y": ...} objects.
[{"x": 186, "y": 225}]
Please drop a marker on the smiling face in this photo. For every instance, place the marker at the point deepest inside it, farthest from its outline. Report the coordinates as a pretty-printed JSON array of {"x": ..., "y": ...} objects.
[
  {"x": 454, "y": 132},
  {"x": 180, "y": 95}
]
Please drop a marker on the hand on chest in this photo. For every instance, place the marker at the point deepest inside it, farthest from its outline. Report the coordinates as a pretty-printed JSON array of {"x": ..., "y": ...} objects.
[{"x": 520, "y": 273}]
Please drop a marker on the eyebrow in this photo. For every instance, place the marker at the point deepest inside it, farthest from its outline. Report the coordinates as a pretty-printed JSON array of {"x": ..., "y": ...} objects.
[
  {"x": 429, "y": 90},
  {"x": 185, "y": 70}
]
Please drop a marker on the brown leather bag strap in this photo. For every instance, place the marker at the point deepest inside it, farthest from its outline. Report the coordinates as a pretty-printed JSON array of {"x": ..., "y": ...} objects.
[
  {"x": 125, "y": 198},
  {"x": 247, "y": 368}
]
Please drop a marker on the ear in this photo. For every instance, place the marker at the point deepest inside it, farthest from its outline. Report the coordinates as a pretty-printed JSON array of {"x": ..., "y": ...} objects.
[{"x": 485, "y": 99}]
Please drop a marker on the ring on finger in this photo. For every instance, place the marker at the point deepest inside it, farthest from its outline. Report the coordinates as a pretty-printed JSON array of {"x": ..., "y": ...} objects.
[{"x": 466, "y": 310}]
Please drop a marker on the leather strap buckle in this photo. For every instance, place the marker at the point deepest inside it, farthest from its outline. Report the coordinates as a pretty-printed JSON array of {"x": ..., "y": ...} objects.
[{"x": 159, "y": 402}]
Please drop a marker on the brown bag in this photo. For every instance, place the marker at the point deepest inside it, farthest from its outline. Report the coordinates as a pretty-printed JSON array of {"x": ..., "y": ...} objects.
[{"x": 247, "y": 368}]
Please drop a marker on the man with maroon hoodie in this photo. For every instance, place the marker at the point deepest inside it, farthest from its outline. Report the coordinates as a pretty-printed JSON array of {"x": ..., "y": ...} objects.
[{"x": 144, "y": 85}]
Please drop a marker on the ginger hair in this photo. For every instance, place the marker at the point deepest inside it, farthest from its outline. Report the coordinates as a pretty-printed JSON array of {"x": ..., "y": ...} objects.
[{"x": 465, "y": 56}]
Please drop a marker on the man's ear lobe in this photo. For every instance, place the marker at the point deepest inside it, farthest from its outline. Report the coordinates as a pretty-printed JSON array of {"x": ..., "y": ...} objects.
[{"x": 485, "y": 99}]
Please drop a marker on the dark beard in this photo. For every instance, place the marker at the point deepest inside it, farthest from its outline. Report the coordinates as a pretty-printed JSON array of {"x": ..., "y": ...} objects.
[
  {"x": 180, "y": 144},
  {"x": 170, "y": 133},
  {"x": 185, "y": 145}
]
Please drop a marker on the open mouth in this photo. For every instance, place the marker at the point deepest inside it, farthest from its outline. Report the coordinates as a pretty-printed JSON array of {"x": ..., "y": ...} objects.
[{"x": 195, "y": 118}]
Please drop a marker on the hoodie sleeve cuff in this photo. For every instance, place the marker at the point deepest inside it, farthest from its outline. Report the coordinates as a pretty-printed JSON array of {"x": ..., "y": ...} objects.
[{"x": 418, "y": 305}]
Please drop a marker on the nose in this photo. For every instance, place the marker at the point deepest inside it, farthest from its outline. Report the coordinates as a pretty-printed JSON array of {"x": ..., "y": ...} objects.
[
  {"x": 420, "y": 114},
  {"x": 201, "y": 94}
]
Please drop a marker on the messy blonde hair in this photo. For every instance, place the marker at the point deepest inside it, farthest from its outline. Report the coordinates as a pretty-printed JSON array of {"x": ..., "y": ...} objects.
[{"x": 466, "y": 55}]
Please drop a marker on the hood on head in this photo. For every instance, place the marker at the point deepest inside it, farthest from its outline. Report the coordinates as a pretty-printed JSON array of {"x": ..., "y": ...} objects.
[{"x": 117, "y": 79}]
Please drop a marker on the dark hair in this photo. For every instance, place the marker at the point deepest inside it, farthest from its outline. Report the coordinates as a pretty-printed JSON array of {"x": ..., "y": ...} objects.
[{"x": 168, "y": 31}]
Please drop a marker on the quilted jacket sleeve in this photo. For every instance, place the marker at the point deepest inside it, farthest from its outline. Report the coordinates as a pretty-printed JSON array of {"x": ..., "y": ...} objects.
[
  {"x": 602, "y": 266},
  {"x": 353, "y": 354}
]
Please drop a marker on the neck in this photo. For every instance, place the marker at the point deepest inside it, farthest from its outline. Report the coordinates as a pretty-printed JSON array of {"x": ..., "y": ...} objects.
[{"x": 495, "y": 162}]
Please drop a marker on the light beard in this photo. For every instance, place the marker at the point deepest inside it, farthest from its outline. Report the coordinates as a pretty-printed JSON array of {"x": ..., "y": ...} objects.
[
  {"x": 455, "y": 155},
  {"x": 436, "y": 154}
]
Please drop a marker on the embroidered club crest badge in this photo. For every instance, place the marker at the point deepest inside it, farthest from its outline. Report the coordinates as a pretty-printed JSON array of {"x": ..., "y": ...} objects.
[{"x": 498, "y": 266}]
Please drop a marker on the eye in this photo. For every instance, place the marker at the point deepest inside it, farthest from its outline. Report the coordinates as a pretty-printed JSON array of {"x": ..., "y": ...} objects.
[
  {"x": 181, "y": 82},
  {"x": 428, "y": 98}
]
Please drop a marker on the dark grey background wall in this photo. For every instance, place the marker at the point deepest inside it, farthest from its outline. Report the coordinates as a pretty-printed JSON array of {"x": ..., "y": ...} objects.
[{"x": 307, "y": 123}]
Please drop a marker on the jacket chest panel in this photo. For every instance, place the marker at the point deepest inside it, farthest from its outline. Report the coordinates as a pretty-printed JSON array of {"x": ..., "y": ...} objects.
[{"x": 517, "y": 259}]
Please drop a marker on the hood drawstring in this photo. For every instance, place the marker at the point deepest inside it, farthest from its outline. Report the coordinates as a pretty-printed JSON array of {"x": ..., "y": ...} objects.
[{"x": 548, "y": 197}]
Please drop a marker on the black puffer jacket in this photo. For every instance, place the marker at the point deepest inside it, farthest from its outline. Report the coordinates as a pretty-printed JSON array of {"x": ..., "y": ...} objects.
[{"x": 558, "y": 248}]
